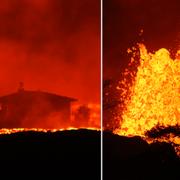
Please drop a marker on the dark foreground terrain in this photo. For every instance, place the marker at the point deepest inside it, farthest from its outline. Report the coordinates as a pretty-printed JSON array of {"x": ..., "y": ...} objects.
[
  {"x": 134, "y": 159},
  {"x": 73, "y": 154}
]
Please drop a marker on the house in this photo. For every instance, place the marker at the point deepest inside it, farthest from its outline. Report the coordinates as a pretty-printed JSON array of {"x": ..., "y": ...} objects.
[{"x": 33, "y": 109}]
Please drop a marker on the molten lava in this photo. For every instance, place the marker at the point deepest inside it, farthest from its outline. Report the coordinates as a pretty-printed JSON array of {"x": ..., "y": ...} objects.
[
  {"x": 15, "y": 130},
  {"x": 152, "y": 98}
]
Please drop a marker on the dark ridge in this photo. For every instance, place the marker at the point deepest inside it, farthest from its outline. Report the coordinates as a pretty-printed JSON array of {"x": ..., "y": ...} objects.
[
  {"x": 73, "y": 154},
  {"x": 159, "y": 131},
  {"x": 131, "y": 158}
]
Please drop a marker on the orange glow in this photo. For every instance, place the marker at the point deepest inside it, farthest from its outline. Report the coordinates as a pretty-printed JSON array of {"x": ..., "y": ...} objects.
[
  {"x": 82, "y": 120},
  {"x": 15, "y": 130},
  {"x": 53, "y": 123},
  {"x": 153, "y": 96}
]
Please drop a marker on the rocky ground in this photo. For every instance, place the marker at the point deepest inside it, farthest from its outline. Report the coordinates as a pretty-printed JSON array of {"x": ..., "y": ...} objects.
[{"x": 133, "y": 159}]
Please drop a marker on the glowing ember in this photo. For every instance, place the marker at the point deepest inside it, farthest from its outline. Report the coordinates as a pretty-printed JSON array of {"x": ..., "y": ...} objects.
[{"x": 153, "y": 97}]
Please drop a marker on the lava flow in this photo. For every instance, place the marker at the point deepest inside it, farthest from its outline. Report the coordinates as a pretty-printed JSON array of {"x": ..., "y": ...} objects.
[
  {"x": 15, "y": 130},
  {"x": 151, "y": 96}
]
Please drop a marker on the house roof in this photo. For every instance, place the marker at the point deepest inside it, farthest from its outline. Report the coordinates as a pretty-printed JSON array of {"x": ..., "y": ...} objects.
[{"x": 35, "y": 94}]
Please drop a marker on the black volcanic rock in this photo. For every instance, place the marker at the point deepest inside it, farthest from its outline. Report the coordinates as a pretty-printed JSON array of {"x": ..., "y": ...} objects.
[
  {"x": 73, "y": 154},
  {"x": 126, "y": 158},
  {"x": 159, "y": 131}
]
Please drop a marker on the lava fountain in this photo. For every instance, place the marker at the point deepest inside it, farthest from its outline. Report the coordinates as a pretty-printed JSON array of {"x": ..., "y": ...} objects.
[{"x": 152, "y": 97}]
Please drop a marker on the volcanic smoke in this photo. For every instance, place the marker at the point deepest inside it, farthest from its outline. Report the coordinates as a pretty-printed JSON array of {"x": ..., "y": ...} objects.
[{"x": 52, "y": 46}]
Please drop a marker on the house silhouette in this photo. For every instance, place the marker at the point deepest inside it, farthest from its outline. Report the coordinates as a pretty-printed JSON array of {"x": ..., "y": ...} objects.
[{"x": 23, "y": 109}]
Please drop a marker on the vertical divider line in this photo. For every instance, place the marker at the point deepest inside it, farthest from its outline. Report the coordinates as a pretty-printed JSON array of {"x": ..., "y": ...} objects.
[{"x": 101, "y": 91}]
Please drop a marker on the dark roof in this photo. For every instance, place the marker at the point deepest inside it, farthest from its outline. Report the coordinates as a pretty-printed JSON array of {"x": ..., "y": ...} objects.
[{"x": 34, "y": 94}]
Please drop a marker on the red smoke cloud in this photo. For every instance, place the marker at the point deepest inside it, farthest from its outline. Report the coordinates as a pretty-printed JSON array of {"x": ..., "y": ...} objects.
[{"x": 51, "y": 45}]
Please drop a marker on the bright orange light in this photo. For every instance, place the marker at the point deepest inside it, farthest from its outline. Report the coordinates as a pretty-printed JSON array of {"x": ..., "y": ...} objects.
[{"x": 153, "y": 96}]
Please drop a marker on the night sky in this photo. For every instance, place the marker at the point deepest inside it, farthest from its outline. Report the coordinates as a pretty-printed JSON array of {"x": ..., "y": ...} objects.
[
  {"x": 122, "y": 22},
  {"x": 51, "y": 45}
]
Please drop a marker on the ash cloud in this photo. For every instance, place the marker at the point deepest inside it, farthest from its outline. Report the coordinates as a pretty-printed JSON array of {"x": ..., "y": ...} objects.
[{"x": 51, "y": 45}]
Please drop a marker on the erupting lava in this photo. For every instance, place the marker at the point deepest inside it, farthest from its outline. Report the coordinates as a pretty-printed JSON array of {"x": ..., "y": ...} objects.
[{"x": 152, "y": 99}]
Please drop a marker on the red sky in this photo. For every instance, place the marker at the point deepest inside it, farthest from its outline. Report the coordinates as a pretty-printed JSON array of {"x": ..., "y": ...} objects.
[{"x": 51, "y": 45}]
